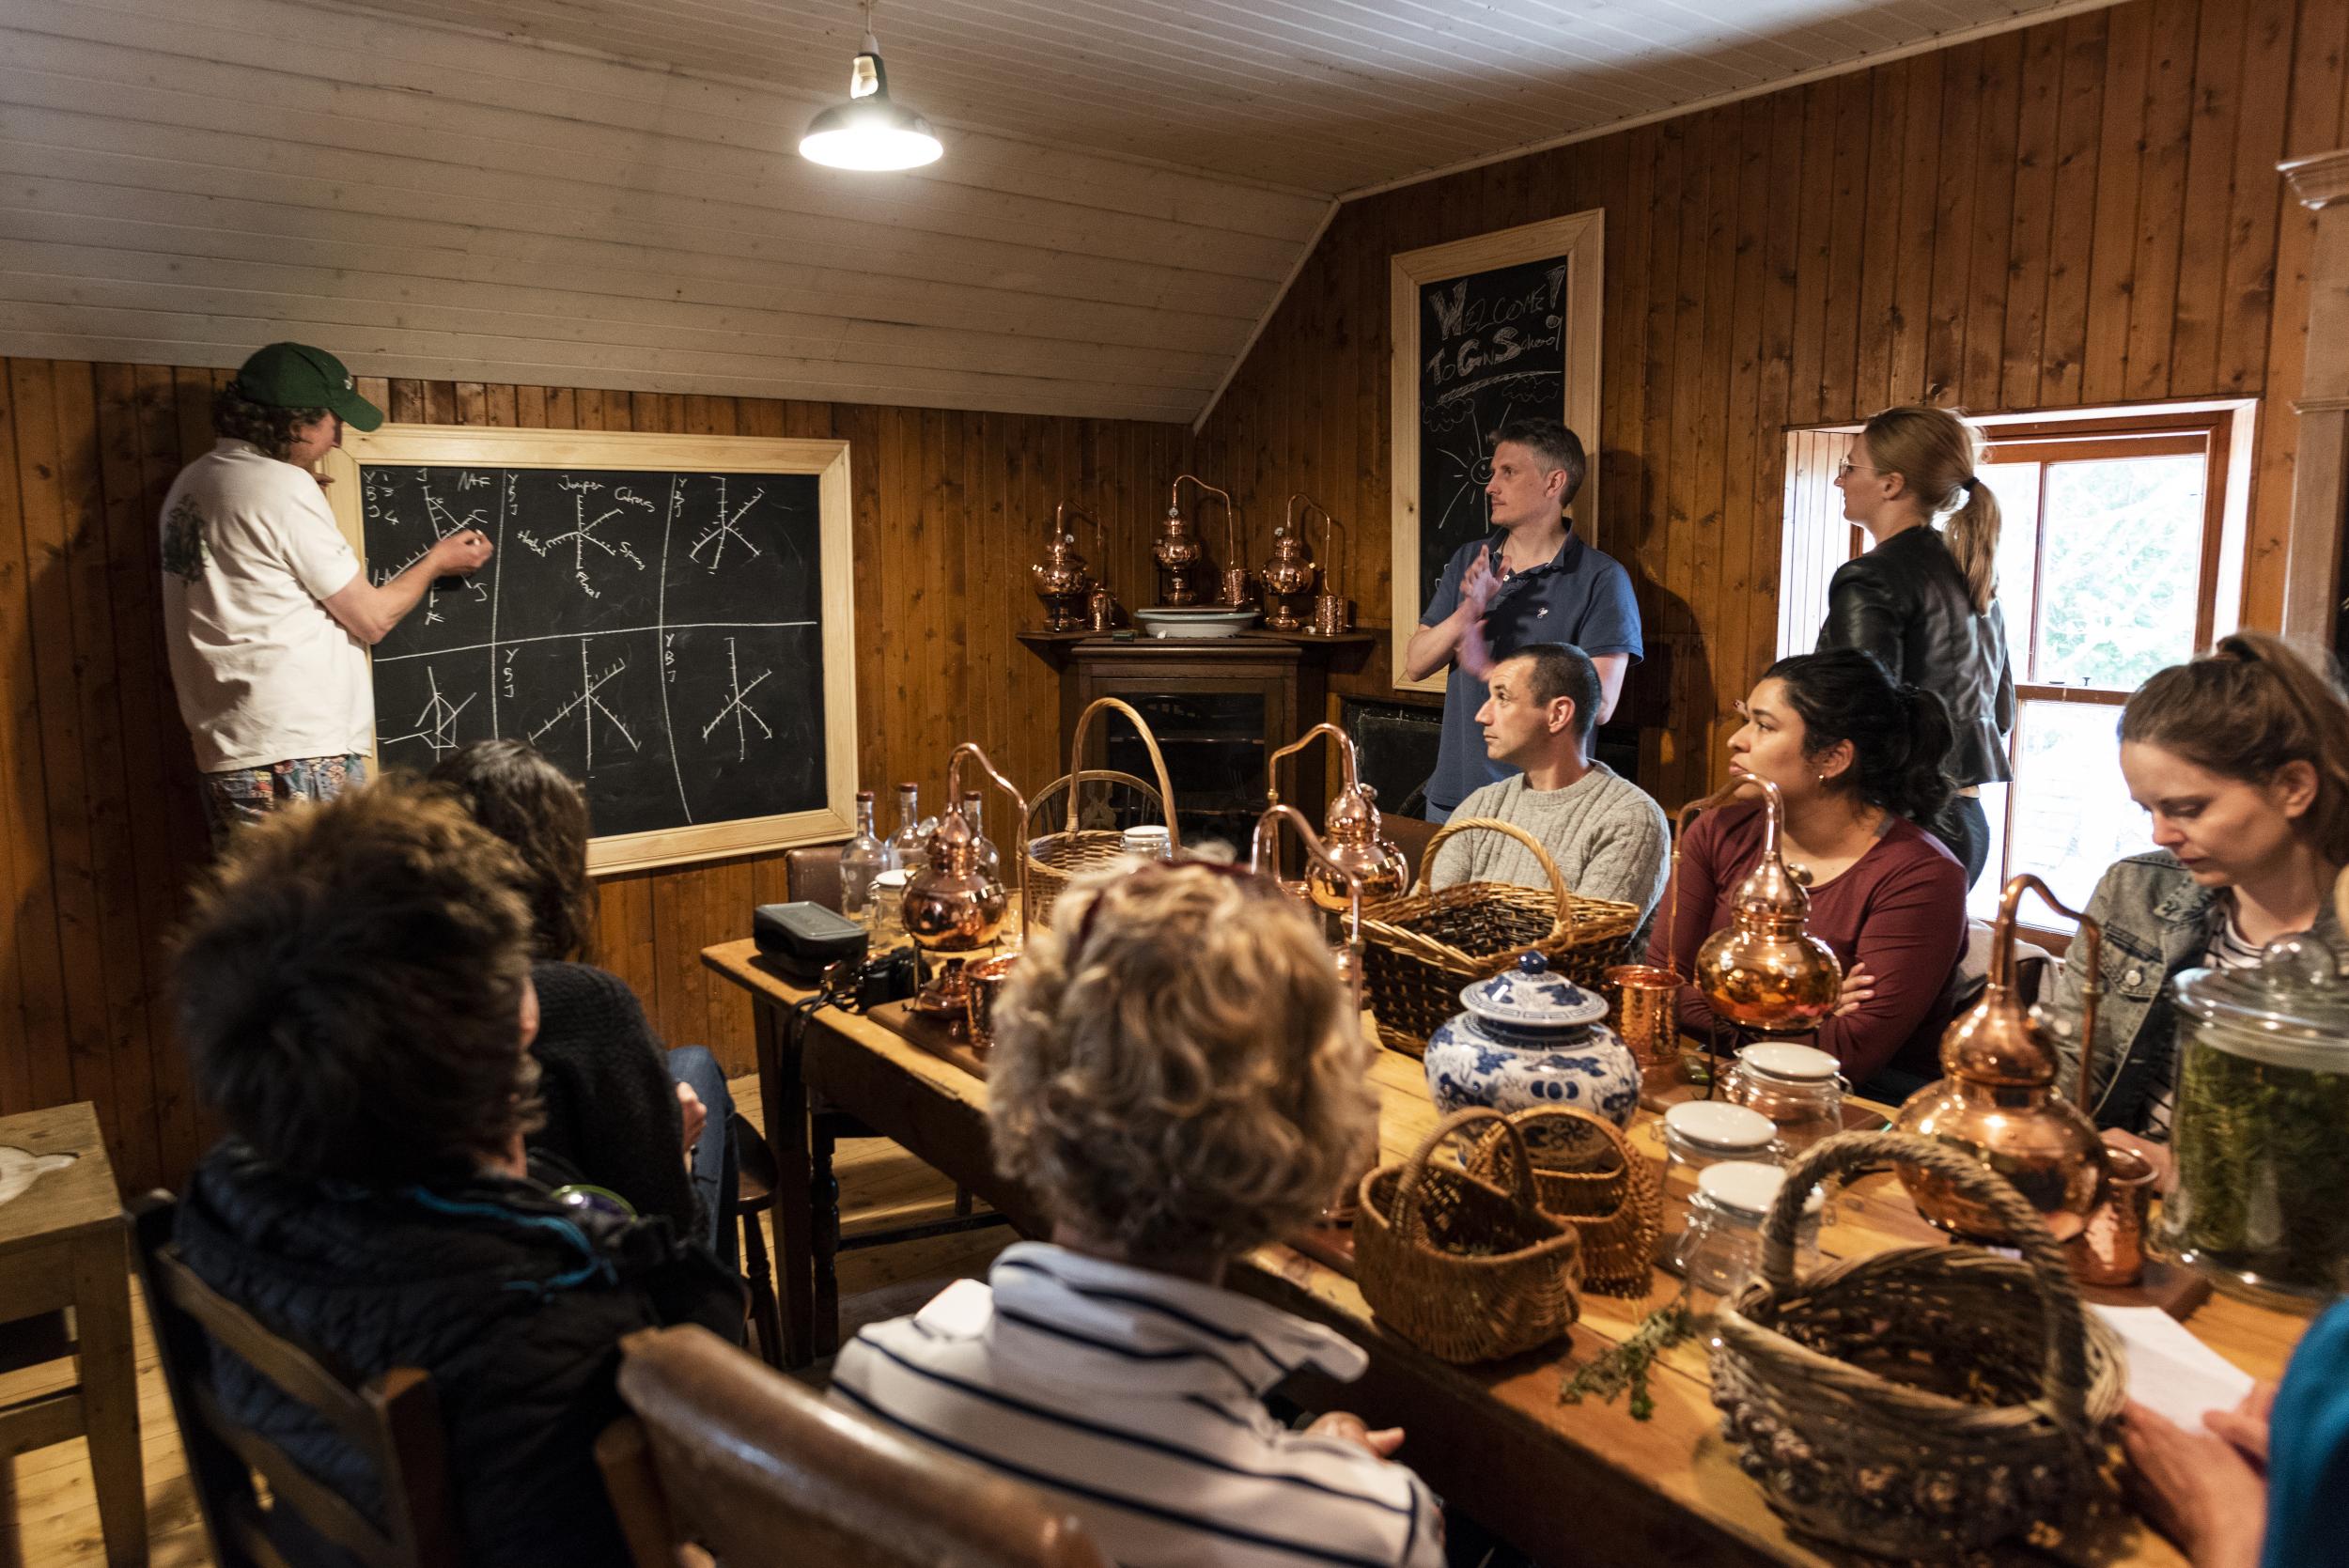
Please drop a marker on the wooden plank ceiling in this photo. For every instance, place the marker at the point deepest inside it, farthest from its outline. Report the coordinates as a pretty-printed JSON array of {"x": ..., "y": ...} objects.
[{"x": 607, "y": 192}]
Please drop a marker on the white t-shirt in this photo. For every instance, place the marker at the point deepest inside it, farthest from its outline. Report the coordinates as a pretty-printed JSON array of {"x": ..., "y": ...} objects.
[{"x": 264, "y": 670}]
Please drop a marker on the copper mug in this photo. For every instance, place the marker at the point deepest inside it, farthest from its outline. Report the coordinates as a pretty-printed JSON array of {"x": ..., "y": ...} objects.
[
  {"x": 1646, "y": 1015},
  {"x": 2111, "y": 1249},
  {"x": 984, "y": 982},
  {"x": 1329, "y": 615},
  {"x": 1237, "y": 582}
]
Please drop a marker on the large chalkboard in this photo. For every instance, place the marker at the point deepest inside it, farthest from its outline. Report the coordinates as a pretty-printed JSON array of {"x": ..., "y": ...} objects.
[
  {"x": 657, "y": 629},
  {"x": 1492, "y": 347},
  {"x": 1485, "y": 330}
]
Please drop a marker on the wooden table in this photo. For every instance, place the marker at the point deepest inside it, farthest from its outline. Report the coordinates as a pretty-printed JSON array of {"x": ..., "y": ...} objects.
[
  {"x": 63, "y": 1244},
  {"x": 1568, "y": 1484}
]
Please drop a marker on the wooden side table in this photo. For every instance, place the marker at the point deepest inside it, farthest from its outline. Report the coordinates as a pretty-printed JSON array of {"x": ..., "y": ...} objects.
[{"x": 63, "y": 1243}]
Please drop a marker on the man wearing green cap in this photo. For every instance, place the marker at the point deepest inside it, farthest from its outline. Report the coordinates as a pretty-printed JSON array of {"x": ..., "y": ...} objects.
[{"x": 267, "y": 611}]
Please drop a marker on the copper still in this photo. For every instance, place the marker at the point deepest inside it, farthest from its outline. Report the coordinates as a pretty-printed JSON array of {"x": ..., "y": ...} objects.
[
  {"x": 1330, "y": 605},
  {"x": 1358, "y": 853},
  {"x": 954, "y": 906},
  {"x": 2000, "y": 1100},
  {"x": 1176, "y": 548},
  {"x": 1288, "y": 571},
  {"x": 1062, "y": 581},
  {"x": 1763, "y": 972}
]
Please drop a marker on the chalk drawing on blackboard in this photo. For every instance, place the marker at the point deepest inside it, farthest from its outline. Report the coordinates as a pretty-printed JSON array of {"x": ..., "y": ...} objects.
[
  {"x": 738, "y": 706},
  {"x": 584, "y": 703},
  {"x": 582, "y": 532},
  {"x": 438, "y": 721},
  {"x": 723, "y": 529}
]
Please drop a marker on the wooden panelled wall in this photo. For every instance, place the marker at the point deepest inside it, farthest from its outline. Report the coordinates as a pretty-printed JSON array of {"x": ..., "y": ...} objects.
[
  {"x": 100, "y": 827},
  {"x": 2082, "y": 212}
]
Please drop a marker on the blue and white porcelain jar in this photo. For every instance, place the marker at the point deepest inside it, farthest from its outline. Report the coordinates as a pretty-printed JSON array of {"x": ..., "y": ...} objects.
[{"x": 1531, "y": 1038}]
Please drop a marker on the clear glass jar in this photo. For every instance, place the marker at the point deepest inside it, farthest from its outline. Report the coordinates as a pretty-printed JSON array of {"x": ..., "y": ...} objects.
[
  {"x": 1800, "y": 1088},
  {"x": 889, "y": 911},
  {"x": 1701, "y": 1134},
  {"x": 1722, "y": 1249},
  {"x": 2262, "y": 1097},
  {"x": 1151, "y": 841}
]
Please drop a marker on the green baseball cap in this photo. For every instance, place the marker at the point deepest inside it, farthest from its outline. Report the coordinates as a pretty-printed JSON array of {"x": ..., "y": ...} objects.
[{"x": 296, "y": 376}]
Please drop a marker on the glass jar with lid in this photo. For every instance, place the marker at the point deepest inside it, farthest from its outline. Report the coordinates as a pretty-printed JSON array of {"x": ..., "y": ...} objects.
[
  {"x": 1701, "y": 1134},
  {"x": 2261, "y": 1130},
  {"x": 1800, "y": 1088},
  {"x": 1722, "y": 1249}
]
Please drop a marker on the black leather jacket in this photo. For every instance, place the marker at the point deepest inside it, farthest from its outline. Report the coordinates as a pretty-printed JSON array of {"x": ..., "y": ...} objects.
[{"x": 1905, "y": 602}]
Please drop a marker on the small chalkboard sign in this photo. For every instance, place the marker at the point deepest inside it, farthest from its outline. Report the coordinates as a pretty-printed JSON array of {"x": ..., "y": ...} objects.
[
  {"x": 665, "y": 617},
  {"x": 1485, "y": 330}
]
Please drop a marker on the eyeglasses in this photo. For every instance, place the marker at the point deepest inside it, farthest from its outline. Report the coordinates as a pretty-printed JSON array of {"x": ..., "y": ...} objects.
[{"x": 1844, "y": 470}]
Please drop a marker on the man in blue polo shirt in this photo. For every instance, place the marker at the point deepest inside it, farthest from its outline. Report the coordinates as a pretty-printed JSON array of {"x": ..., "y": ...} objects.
[{"x": 1532, "y": 581}]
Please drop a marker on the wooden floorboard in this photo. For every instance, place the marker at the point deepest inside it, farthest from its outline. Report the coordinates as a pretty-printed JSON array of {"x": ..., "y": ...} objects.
[{"x": 48, "y": 1514}]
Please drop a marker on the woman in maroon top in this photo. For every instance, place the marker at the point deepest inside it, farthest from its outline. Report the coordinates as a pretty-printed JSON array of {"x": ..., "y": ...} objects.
[{"x": 1859, "y": 762}]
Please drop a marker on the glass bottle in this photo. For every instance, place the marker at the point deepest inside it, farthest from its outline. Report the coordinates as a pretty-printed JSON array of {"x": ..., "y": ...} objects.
[
  {"x": 990, "y": 858},
  {"x": 861, "y": 859},
  {"x": 910, "y": 846}
]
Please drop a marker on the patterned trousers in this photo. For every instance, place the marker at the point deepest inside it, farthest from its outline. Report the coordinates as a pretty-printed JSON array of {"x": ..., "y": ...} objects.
[{"x": 246, "y": 795}]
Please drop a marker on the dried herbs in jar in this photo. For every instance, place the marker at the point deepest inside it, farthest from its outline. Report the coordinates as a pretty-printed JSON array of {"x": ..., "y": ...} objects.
[{"x": 2260, "y": 1130}]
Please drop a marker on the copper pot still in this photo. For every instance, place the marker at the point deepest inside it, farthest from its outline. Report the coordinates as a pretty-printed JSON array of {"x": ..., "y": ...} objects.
[
  {"x": 955, "y": 905},
  {"x": 1353, "y": 840},
  {"x": 1061, "y": 579},
  {"x": 1763, "y": 972},
  {"x": 1288, "y": 571},
  {"x": 1999, "y": 1099},
  {"x": 1176, "y": 548}
]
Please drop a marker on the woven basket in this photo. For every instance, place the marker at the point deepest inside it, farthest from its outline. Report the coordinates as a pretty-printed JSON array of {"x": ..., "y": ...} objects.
[
  {"x": 1925, "y": 1401},
  {"x": 1420, "y": 949},
  {"x": 1055, "y": 858},
  {"x": 1464, "y": 1269},
  {"x": 1585, "y": 1172}
]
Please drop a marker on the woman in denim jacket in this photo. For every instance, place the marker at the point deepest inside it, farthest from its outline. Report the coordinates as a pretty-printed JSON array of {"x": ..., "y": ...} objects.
[{"x": 2242, "y": 759}]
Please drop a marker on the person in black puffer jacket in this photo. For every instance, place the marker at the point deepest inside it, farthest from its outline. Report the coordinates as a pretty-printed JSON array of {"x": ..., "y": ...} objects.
[{"x": 353, "y": 988}]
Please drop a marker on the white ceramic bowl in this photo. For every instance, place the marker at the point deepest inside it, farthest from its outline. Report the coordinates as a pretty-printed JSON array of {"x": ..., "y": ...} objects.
[{"x": 1194, "y": 621}]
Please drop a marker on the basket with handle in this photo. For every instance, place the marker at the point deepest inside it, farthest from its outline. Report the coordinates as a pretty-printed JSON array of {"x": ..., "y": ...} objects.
[
  {"x": 1923, "y": 1401},
  {"x": 1584, "y": 1171},
  {"x": 1464, "y": 1269},
  {"x": 1420, "y": 949},
  {"x": 1057, "y": 858}
]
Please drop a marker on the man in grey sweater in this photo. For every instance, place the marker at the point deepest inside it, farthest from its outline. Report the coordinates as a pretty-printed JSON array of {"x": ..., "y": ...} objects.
[{"x": 1606, "y": 834}]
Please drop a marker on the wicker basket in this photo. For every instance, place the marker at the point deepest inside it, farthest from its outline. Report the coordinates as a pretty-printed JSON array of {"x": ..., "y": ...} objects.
[
  {"x": 1055, "y": 858},
  {"x": 1420, "y": 949},
  {"x": 1466, "y": 1270},
  {"x": 1925, "y": 1401},
  {"x": 1586, "y": 1174}
]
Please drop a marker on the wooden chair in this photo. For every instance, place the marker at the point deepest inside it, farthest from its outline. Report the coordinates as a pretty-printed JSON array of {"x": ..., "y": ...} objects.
[
  {"x": 1410, "y": 835},
  {"x": 393, "y": 1421},
  {"x": 733, "y": 1456}
]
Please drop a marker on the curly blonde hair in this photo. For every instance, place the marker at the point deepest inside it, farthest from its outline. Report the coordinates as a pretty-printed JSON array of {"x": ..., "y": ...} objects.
[{"x": 1177, "y": 1070}]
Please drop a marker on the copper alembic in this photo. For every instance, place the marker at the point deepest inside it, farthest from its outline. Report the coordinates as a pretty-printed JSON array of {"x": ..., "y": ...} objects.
[
  {"x": 1357, "y": 854},
  {"x": 953, "y": 907},
  {"x": 1062, "y": 581},
  {"x": 1763, "y": 972},
  {"x": 1264, "y": 858},
  {"x": 1288, "y": 571},
  {"x": 1176, "y": 548},
  {"x": 2000, "y": 1100}
]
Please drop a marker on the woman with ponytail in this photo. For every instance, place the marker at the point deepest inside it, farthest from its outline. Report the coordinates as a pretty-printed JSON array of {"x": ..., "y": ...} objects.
[
  {"x": 2242, "y": 759},
  {"x": 1924, "y": 600},
  {"x": 1861, "y": 761}
]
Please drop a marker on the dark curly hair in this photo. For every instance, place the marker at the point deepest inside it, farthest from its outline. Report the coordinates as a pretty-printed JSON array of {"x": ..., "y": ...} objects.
[
  {"x": 1900, "y": 735},
  {"x": 266, "y": 426},
  {"x": 515, "y": 792},
  {"x": 350, "y": 986}
]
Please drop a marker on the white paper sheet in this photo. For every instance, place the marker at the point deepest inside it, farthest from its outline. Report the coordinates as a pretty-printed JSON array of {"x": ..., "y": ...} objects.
[{"x": 2172, "y": 1372}]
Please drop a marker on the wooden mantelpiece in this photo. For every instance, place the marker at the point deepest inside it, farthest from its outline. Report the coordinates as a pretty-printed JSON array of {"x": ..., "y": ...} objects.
[{"x": 2312, "y": 559}]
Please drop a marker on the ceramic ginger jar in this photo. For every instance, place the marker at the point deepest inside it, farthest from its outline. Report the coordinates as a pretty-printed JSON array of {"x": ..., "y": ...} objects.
[{"x": 1531, "y": 1038}]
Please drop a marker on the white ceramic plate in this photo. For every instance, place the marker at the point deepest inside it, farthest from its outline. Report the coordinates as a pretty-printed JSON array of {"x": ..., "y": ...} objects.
[{"x": 1194, "y": 621}]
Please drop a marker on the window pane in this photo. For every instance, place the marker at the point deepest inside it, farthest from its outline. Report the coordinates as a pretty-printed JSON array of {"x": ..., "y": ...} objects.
[
  {"x": 2122, "y": 557},
  {"x": 2073, "y": 814},
  {"x": 1982, "y": 899},
  {"x": 2016, "y": 487}
]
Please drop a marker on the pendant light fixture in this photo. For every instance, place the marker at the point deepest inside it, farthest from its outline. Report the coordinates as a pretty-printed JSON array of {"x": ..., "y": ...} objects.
[{"x": 870, "y": 130}]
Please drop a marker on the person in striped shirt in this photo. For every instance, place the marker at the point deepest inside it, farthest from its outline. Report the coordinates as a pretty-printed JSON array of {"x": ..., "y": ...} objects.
[{"x": 1178, "y": 1077}]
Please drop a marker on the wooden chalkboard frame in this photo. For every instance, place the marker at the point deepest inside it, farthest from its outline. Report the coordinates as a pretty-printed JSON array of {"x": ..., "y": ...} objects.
[
  {"x": 1578, "y": 240},
  {"x": 460, "y": 447}
]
